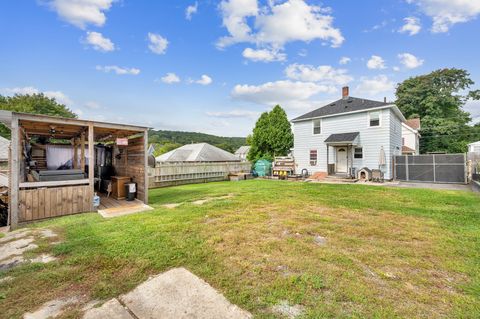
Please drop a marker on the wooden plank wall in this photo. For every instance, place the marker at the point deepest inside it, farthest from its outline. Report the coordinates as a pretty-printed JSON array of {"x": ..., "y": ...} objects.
[
  {"x": 134, "y": 166},
  {"x": 40, "y": 203}
]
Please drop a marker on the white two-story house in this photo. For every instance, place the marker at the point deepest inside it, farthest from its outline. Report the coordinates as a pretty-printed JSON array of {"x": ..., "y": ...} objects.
[
  {"x": 348, "y": 135},
  {"x": 411, "y": 137}
]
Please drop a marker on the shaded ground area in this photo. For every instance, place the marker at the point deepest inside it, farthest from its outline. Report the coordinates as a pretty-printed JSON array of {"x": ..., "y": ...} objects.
[{"x": 275, "y": 249}]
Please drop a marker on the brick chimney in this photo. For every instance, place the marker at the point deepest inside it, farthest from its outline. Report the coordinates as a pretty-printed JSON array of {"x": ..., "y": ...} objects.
[{"x": 345, "y": 92}]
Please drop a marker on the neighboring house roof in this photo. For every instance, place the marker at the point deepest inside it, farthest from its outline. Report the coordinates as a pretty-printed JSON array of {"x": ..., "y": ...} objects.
[
  {"x": 4, "y": 148},
  {"x": 342, "y": 137},
  {"x": 242, "y": 150},
  {"x": 344, "y": 105},
  {"x": 414, "y": 123},
  {"x": 151, "y": 149},
  {"x": 474, "y": 143},
  {"x": 407, "y": 150},
  {"x": 200, "y": 152}
]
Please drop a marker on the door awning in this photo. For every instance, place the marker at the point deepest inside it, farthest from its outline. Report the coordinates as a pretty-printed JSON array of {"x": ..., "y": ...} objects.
[{"x": 343, "y": 138}]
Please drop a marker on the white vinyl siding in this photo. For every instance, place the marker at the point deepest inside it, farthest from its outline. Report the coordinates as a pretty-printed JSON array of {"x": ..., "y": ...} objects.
[{"x": 371, "y": 139}]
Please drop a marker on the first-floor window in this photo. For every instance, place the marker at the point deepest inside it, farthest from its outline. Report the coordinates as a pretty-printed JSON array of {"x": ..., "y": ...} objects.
[
  {"x": 313, "y": 157},
  {"x": 358, "y": 152}
]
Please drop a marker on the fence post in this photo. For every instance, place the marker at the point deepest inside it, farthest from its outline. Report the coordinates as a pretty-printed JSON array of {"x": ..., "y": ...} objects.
[
  {"x": 434, "y": 169},
  {"x": 406, "y": 168}
]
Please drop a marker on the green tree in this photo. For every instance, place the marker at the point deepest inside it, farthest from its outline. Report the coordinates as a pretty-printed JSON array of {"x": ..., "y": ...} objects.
[
  {"x": 438, "y": 99},
  {"x": 272, "y": 135},
  {"x": 36, "y": 104}
]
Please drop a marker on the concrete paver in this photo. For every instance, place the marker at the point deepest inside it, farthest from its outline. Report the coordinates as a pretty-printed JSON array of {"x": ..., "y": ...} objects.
[
  {"x": 111, "y": 309},
  {"x": 178, "y": 294}
]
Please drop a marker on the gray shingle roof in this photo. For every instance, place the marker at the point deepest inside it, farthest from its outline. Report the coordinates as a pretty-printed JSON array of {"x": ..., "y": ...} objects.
[
  {"x": 242, "y": 150},
  {"x": 342, "y": 137},
  {"x": 350, "y": 104},
  {"x": 200, "y": 152}
]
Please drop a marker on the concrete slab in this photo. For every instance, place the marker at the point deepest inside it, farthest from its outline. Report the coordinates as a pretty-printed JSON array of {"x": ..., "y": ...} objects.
[
  {"x": 47, "y": 233},
  {"x": 123, "y": 210},
  {"x": 11, "y": 262},
  {"x": 16, "y": 247},
  {"x": 178, "y": 294},
  {"x": 285, "y": 310},
  {"x": 14, "y": 235},
  {"x": 111, "y": 309},
  {"x": 51, "y": 309},
  {"x": 44, "y": 258}
]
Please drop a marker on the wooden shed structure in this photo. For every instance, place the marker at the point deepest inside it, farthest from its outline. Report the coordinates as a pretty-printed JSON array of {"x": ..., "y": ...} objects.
[{"x": 58, "y": 164}]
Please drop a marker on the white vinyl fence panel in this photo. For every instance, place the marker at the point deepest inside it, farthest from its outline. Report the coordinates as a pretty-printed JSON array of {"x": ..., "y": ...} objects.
[{"x": 167, "y": 174}]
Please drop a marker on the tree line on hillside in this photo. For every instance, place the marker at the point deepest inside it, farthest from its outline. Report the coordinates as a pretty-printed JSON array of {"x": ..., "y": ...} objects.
[{"x": 166, "y": 141}]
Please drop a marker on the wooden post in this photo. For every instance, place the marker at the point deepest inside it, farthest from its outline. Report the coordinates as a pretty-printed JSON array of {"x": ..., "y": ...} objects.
[
  {"x": 91, "y": 161},
  {"x": 75, "y": 153},
  {"x": 14, "y": 172},
  {"x": 328, "y": 161},
  {"x": 82, "y": 151},
  {"x": 146, "y": 182}
]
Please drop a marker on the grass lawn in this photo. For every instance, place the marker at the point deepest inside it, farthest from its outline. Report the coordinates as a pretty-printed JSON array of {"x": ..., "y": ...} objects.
[{"x": 389, "y": 252}]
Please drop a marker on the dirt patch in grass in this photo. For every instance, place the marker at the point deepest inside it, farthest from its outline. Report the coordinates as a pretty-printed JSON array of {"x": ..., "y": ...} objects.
[{"x": 372, "y": 263}]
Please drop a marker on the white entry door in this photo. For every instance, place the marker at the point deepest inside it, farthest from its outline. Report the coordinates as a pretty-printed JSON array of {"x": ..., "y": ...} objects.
[{"x": 341, "y": 166}]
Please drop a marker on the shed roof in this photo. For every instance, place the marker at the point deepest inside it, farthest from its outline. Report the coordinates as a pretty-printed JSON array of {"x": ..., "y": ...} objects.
[
  {"x": 4, "y": 148},
  {"x": 199, "y": 152},
  {"x": 342, "y": 137},
  {"x": 242, "y": 150}
]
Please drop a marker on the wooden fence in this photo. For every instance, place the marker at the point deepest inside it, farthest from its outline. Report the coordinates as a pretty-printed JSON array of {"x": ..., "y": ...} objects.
[{"x": 168, "y": 174}]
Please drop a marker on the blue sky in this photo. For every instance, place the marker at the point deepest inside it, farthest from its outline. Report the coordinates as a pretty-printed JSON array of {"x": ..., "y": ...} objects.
[{"x": 213, "y": 66}]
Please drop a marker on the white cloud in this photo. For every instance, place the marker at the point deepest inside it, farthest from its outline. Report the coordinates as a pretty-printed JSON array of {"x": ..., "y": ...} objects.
[
  {"x": 289, "y": 94},
  {"x": 92, "y": 105},
  {"x": 324, "y": 74},
  {"x": 158, "y": 44},
  {"x": 99, "y": 42},
  {"x": 263, "y": 55},
  {"x": 412, "y": 26},
  {"x": 191, "y": 10},
  {"x": 170, "y": 78},
  {"x": 59, "y": 96},
  {"x": 235, "y": 114},
  {"x": 118, "y": 70},
  {"x": 410, "y": 61},
  {"x": 396, "y": 68},
  {"x": 376, "y": 62},
  {"x": 446, "y": 13},
  {"x": 204, "y": 80},
  {"x": 277, "y": 24},
  {"x": 375, "y": 85},
  {"x": 345, "y": 60},
  {"x": 81, "y": 13},
  {"x": 473, "y": 107}
]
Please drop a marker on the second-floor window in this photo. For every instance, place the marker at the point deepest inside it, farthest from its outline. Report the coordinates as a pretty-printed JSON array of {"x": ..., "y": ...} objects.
[
  {"x": 317, "y": 127},
  {"x": 374, "y": 118}
]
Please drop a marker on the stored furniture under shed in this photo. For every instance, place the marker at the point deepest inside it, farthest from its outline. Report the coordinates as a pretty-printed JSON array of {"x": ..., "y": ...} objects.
[{"x": 57, "y": 164}]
